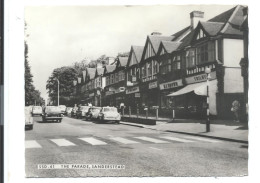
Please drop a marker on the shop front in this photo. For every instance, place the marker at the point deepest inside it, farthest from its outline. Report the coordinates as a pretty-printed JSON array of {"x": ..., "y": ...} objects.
[
  {"x": 191, "y": 100},
  {"x": 149, "y": 94},
  {"x": 132, "y": 98},
  {"x": 167, "y": 103}
]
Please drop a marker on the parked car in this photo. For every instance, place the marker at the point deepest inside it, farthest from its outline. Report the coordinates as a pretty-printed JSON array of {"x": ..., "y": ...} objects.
[
  {"x": 52, "y": 113},
  {"x": 68, "y": 111},
  {"x": 109, "y": 114},
  {"x": 92, "y": 113},
  {"x": 74, "y": 111},
  {"x": 28, "y": 118},
  {"x": 63, "y": 109},
  {"x": 81, "y": 112},
  {"x": 36, "y": 110}
]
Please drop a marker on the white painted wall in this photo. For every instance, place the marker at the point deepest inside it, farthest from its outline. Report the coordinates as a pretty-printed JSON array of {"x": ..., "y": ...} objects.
[
  {"x": 233, "y": 81},
  {"x": 233, "y": 51},
  {"x": 103, "y": 80}
]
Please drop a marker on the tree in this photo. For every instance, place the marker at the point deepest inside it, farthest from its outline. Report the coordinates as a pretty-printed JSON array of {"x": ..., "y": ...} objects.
[
  {"x": 81, "y": 65},
  {"x": 66, "y": 76}
]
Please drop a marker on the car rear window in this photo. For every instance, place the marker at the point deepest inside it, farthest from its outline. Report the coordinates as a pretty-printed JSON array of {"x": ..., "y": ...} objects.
[
  {"x": 52, "y": 109},
  {"x": 107, "y": 109}
]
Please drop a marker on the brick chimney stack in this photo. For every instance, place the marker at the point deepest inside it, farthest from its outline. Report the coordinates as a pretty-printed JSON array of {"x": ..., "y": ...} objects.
[{"x": 195, "y": 17}]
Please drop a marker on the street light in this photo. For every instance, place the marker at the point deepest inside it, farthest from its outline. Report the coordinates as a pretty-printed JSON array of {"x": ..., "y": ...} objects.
[
  {"x": 58, "y": 91},
  {"x": 208, "y": 71}
]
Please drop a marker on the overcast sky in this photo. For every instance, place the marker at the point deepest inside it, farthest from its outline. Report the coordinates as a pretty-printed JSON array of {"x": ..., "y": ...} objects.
[{"x": 62, "y": 35}]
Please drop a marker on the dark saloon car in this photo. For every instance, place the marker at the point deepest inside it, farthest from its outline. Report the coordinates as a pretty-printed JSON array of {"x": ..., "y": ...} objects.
[
  {"x": 81, "y": 112},
  {"x": 52, "y": 113}
]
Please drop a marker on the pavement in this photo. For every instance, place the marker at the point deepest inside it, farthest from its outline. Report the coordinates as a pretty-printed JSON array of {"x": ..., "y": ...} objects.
[{"x": 219, "y": 129}]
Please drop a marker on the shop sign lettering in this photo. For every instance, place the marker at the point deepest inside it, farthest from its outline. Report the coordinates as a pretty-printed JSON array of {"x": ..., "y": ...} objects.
[
  {"x": 132, "y": 90},
  {"x": 153, "y": 85},
  {"x": 172, "y": 84},
  {"x": 200, "y": 78}
]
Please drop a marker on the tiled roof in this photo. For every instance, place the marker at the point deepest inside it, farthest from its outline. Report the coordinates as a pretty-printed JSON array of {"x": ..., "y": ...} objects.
[
  {"x": 187, "y": 40},
  {"x": 180, "y": 33},
  {"x": 99, "y": 71},
  {"x": 156, "y": 40},
  {"x": 138, "y": 50},
  {"x": 232, "y": 18},
  {"x": 212, "y": 28},
  {"x": 122, "y": 61},
  {"x": 91, "y": 72},
  {"x": 223, "y": 17},
  {"x": 110, "y": 68},
  {"x": 170, "y": 46}
]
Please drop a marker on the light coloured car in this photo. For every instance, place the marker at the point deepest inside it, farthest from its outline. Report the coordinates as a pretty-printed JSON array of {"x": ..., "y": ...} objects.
[
  {"x": 62, "y": 108},
  {"x": 81, "y": 112},
  {"x": 109, "y": 114},
  {"x": 28, "y": 117},
  {"x": 68, "y": 111},
  {"x": 36, "y": 110},
  {"x": 52, "y": 113},
  {"x": 93, "y": 113}
]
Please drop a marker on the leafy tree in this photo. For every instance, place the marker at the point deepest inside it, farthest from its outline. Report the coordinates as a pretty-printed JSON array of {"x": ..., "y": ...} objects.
[
  {"x": 81, "y": 65},
  {"x": 31, "y": 95},
  {"x": 66, "y": 76}
]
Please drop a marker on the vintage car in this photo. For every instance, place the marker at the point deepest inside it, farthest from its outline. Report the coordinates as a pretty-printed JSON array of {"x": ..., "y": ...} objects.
[
  {"x": 36, "y": 110},
  {"x": 73, "y": 111},
  {"x": 81, "y": 112},
  {"x": 62, "y": 108},
  {"x": 52, "y": 113},
  {"x": 28, "y": 118},
  {"x": 109, "y": 114},
  {"x": 68, "y": 111},
  {"x": 92, "y": 113}
]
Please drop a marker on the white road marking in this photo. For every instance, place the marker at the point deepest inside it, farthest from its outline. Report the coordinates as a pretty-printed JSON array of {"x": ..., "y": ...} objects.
[
  {"x": 123, "y": 140},
  {"x": 32, "y": 144},
  {"x": 155, "y": 148},
  {"x": 93, "y": 141},
  {"x": 152, "y": 140},
  {"x": 177, "y": 139},
  {"x": 62, "y": 142},
  {"x": 202, "y": 139}
]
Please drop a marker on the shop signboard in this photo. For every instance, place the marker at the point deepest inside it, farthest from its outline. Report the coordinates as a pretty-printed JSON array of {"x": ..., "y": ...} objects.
[
  {"x": 132, "y": 90},
  {"x": 153, "y": 85},
  {"x": 200, "y": 78},
  {"x": 133, "y": 79},
  {"x": 172, "y": 84},
  {"x": 109, "y": 93},
  {"x": 137, "y": 95}
]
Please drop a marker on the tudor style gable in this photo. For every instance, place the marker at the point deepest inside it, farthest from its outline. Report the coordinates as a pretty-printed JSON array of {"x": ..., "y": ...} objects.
[{"x": 149, "y": 51}]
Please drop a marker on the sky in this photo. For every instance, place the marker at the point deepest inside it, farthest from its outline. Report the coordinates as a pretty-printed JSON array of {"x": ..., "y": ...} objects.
[{"x": 61, "y": 35}]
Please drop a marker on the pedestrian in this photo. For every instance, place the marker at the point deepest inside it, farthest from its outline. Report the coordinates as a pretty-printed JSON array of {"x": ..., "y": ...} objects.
[{"x": 235, "y": 109}]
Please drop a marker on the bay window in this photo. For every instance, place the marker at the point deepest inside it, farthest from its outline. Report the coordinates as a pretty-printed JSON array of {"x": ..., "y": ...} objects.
[{"x": 205, "y": 53}]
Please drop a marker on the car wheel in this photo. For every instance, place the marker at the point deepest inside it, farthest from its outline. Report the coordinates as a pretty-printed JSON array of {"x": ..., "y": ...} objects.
[
  {"x": 43, "y": 119},
  {"x": 117, "y": 122}
]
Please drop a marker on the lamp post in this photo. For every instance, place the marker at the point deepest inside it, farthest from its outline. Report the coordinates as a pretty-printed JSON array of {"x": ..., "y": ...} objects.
[
  {"x": 58, "y": 91},
  {"x": 207, "y": 71}
]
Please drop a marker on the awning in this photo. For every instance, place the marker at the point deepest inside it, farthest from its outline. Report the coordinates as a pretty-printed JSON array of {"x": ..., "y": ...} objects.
[{"x": 198, "y": 88}]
